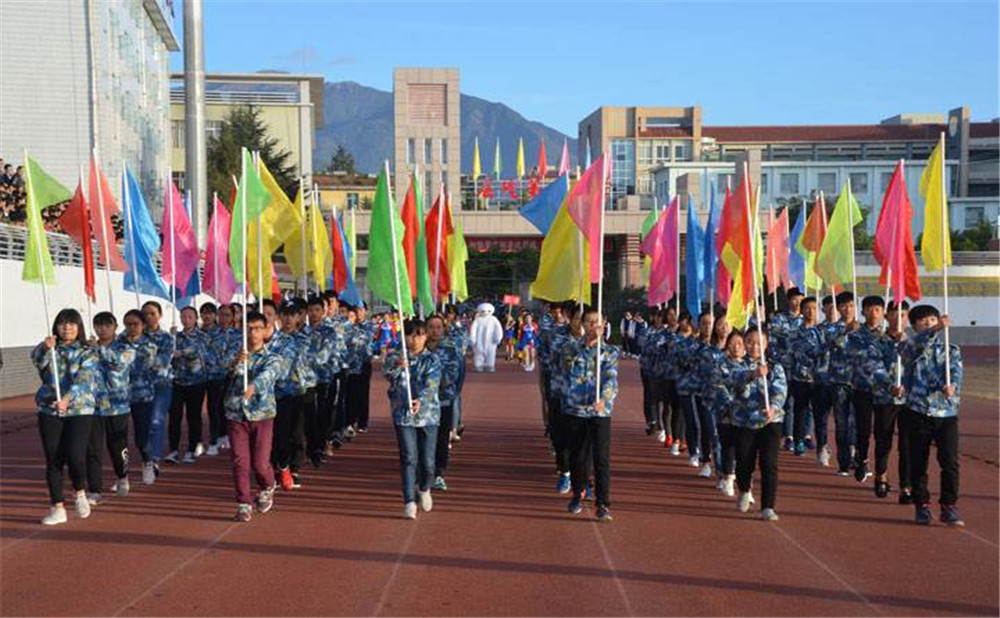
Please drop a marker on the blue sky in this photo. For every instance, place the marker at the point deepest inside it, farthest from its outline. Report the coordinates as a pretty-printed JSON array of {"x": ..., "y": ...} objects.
[{"x": 744, "y": 63}]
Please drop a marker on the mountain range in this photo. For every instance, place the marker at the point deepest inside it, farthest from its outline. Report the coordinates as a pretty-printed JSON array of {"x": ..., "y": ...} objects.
[{"x": 361, "y": 119}]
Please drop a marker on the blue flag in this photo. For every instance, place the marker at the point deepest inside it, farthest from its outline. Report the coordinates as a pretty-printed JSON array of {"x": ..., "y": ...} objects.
[
  {"x": 542, "y": 210},
  {"x": 349, "y": 294},
  {"x": 796, "y": 261},
  {"x": 141, "y": 243},
  {"x": 694, "y": 267},
  {"x": 711, "y": 260}
]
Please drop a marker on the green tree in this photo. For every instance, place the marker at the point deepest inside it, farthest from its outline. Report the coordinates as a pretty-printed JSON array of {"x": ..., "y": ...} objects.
[
  {"x": 494, "y": 273},
  {"x": 245, "y": 127},
  {"x": 973, "y": 239},
  {"x": 342, "y": 161}
]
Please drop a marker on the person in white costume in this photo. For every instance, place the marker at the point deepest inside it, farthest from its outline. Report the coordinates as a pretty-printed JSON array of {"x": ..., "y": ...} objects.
[{"x": 486, "y": 334}]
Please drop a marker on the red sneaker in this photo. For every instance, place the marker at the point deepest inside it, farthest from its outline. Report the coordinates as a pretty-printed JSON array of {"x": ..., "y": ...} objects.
[
  {"x": 285, "y": 479},
  {"x": 669, "y": 442}
]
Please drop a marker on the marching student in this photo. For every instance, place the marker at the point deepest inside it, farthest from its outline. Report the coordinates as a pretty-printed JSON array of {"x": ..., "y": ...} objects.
[
  {"x": 711, "y": 356},
  {"x": 250, "y": 416},
  {"x": 649, "y": 348},
  {"x": 932, "y": 405},
  {"x": 337, "y": 423},
  {"x": 565, "y": 321},
  {"x": 672, "y": 415},
  {"x": 360, "y": 347},
  {"x": 288, "y": 390},
  {"x": 698, "y": 352},
  {"x": 361, "y": 416},
  {"x": 141, "y": 389},
  {"x": 459, "y": 335},
  {"x": 216, "y": 323},
  {"x": 840, "y": 370},
  {"x": 896, "y": 333},
  {"x": 162, "y": 375},
  {"x": 588, "y": 426},
  {"x": 758, "y": 426},
  {"x": 190, "y": 351},
  {"x": 451, "y": 359},
  {"x": 687, "y": 356},
  {"x": 825, "y": 395},
  {"x": 307, "y": 378},
  {"x": 324, "y": 345},
  {"x": 724, "y": 401},
  {"x": 416, "y": 414},
  {"x": 805, "y": 350},
  {"x": 780, "y": 328},
  {"x": 112, "y": 397},
  {"x": 527, "y": 341},
  {"x": 64, "y": 423}
]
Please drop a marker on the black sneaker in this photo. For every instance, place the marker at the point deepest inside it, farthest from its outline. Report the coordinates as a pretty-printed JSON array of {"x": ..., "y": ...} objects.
[
  {"x": 296, "y": 482},
  {"x": 843, "y": 472},
  {"x": 882, "y": 489},
  {"x": 316, "y": 458},
  {"x": 950, "y": 516},
  {"x": 923, "y": 515},
  {"x": 861, "y": 472},
  {"x": 604, "y": 514},
  {"x": 905, "y": 497},
  {"x": 575, "y": 505}
]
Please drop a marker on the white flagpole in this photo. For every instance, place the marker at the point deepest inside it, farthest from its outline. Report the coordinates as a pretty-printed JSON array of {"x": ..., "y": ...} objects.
[
  {"x": 133, "y": 239},
  {"x": 437, "y": 245},
  {"x": 600, "y": 281},
  {"x": 302, "y": 203},
  {"x": 318, "y": 277},
  {"x": 173, "y": 254},
  {"x": 395, "y": 277},
  {"x": 677, "y": 263},
  {"x": 945, "y": 234},
  {"x": 45, "y": 288},
  {"x": 888, "y": 288},
  {"x": 854, "y": 263},
  {"x": 88, "y": 239},
  {"x": 215, "y": 236},
  {"x": 753, "y": 270},
  {"x": 260, "y": 246},
  {"x": 243, "y": 230},
  {"x": 104, "y": 229}
]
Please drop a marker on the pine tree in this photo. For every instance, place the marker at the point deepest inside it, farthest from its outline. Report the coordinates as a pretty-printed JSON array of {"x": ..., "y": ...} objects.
[
  {"x": 342, "y": 161},
  {"x": 245, "y": 127}
]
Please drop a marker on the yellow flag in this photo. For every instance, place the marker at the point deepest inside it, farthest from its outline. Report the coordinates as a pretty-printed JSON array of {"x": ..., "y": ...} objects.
[
  {"x": 297, "y": 252},
  {"x": 563, "y": 267},
  {"x": 520, "y": 158},
  {"x": 309, "y": 250},
  {"x": 477, "y": 166},
  {"x": 936, "y": 244},
  {"x": 258, "y": 261},
  {"x": 280, "y": 219},
  {"x": 736, "y": 315}
]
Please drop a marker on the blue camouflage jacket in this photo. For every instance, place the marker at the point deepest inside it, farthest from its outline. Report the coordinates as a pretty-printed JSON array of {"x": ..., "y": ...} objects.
[
  {"x": 218, "y": 343},
  {"x": 451, "y": 361},
  {"x": 546, "y": 325},
  {"x": 807, "y": 353},
  {"x": 360, "y": 348},
  {"x": 669, "y": 369},
  {"x": 265, "y": 367},
  {"x": 749, "y": 390},
  {"x": 115, "y": 362},
  {"x": 655, "y": 352},
  {"x": 690, "y": 353},
  {"x": 324, "y": 351},
  {"x": 727, "y": 374},
  {"x": 161, "y": 369},
  {"x": 924, "y": 375},
  {"x": 140, "y": 375},
  {"x": 866, "y": 352},
  {"x": 76, "y": 365},
  {"x": 288, "y": 349},
  {"x": 337, "y": 333},
  {"x": 579, "y": 362},
  {"x": 781, "y": 328},
  {"x": 828, "y": 331},
  {"x": 304, "y": 372},
  {"x": 190, "y": 364},
  {"x": 558, "y": 337},
  {"x": 840, "y": 369},
  {"x": 425, "y": 384}
]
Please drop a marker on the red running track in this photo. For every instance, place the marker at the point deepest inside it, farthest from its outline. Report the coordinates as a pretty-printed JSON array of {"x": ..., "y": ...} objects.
[{"x": 499, "y": 542}]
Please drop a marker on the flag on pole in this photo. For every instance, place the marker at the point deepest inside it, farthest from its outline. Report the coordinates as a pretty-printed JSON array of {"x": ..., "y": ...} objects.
[
  {"x": 438, "y": 264},
  {"x": 694, "y": 265},
  {"x": 187, "y": 295},
  {"x": 496, "y": 160},
  {"x": 660, "y": 244},
  {"x": 75, "y": 221},
  {"x": 894, "y": 241},
  {"x": 811, "y": 242},
  {"x": 542, "y": 210},
  {"x": 342, "y": 275},
  {"x": 723, "y": 280},
  {"x": 835, "y": 260},
  {"x": 710, "y": 260},
  {"x": 252, "y": 190},
  {"x": 102, "y": 198},
  {"x": 777, "y": 253},
  {"x": 350, "y": 236},
  {"x": 385, "y": 240},
  {"x": 458, "y": 255},
  {"x": 564, "y": 159},
  {"x": 520, "y": 158},
  {"x": 561, "y": 275},
  {"x": 735, "y": 241},
  {"x": 180, "y": 249},
  {"x": 584, "y": 204},
  {"x": 298, "y": 250},
  {"x": 281, "y": 219},
  {"x": 543, "y": 164},
  {"x": 216, "y": 254},
  {"x": 414, "y": 243},
  {"x": 796, "y": 261},
  {"x": 477, "y": 166},
  {"x": 42, "y": 191},
  {"x": 141, "y": 243},
  {"x": 935, "y": 246}
]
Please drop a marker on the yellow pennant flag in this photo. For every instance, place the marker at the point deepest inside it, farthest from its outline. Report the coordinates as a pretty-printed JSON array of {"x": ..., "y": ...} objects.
[
  {"x": 280, "y": 219},
  {"x": 520, "y": 158},
  {"x": 935, "y": 247},
  {"x": 736, "y": 315},
  {"x": 477, "y": 166},
  {"x": 563, "y": 267},
  {"x": 259, "y": 265}
]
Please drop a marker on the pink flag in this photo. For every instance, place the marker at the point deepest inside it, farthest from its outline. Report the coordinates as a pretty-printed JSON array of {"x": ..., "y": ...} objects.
[
  {"x": 564, "y": 161},
  {"x": 660, "y": 245},
  {"x": 543, "y": 163},
  {"x": 894, "y": 242},
  {"x": 102, "y": 202},
  {"x": 220, "y": 284},
  {"x": 584, "y": 206},
  {"x": 777, "y": 253},
  {"x": 180, "y": 248}
]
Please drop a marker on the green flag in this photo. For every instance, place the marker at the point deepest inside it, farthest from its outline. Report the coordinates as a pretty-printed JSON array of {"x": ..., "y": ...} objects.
[
  {"x": 43, "y": 191},
  {"x": 387, "y": 277},
  {"x": 424, "y": 295},
  {"x": 835, "y": 261},
  {"x": 496, "y": 160},
  {"x": 458, "y": 255},
  {"x": 254, "y": 194}
]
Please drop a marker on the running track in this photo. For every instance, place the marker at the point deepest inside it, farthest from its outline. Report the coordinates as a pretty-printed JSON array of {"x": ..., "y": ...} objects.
[{"x": 499, "y": 541}]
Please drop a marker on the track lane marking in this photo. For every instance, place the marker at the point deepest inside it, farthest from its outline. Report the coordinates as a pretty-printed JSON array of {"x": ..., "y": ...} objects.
[
  {"x": 614, "y": 571},
  {"x": 384, "y": 596}
]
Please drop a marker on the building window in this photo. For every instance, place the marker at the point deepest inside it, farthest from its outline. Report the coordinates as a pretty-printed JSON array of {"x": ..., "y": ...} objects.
[
  {"x": 623, "y": 170},
  {"x": 886, "y": 179},
  {"x": 679, "y": 152},
  {"x": 763, "y": 184},
  {"x": 974, "y": 215},
  {"x": 827, "y": 182},
  {"x": 645, "y": 153},
  {"x": 645, "y": 186},
  {"x": 177, "y": 133},
  {"x": 722, "y": 181},
  {"x": 213, "y": 129},
  {"x": 428, "y": 150},
  {"x": 859, "y": 182},
  {"x": 411, "y": 151},
  {"x": 662, "y": 153},
  {"x": 430, "y": 190},
  {"x": 788, "y": 184},
  {"x": 444, "y": 151},
  {"x": 352, "y": 200}
]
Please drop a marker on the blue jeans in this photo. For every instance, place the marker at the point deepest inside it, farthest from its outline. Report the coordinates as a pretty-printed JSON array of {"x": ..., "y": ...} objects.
[
  {"x": 417, "y": 447},
  {"x": 692, "y": 431},
  {"x": 835, "y": 398},
  {"x": 142, "y": 412},
  {"x": 711, "y": 448},
  {"x": 163, "y": 395},
  {"x": 793, "y": 408}
]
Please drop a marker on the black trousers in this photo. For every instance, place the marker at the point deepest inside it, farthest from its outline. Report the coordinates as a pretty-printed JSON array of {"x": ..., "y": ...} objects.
[
  {"x": 873, "y": 418},
  {"x": 802, "y": 404},
  {"x": 364, "y": 400},
  {"x": 648, "y": 398},
  {"x": 340, "y": 406},
  {"x": 353, "y": 390},
  {"x": 64, "y": 441},
  {"x": 943, "y": 433},
  {"x": 318, "y": 422},
  {"x": 289, "y": 433},
  {"x": 590, "y": 442},
  {"x": 443, "y": 453},
  {"x": 727, "y": 440},
  {"x": 558, "y": 434},
  {"x": 109, "y": 432},
  {"x": 903, "y": 446},
  {"x": 759, "y": 446},
  {"x": 670, "y": 417},
  {"x": 216, "y": 391},
  {"x": 187, "y": 403}
]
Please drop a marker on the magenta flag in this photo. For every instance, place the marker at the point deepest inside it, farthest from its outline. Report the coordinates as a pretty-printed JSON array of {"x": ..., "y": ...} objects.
[
  {"x": 564, "y": 160},
  {"x": 661, "y": 247},
  {"x": 219, "y": 281},
  {"x": 180, "y": 248},
  {"x": 584, "y": 204},
  {"x": 894, "y": 249}
]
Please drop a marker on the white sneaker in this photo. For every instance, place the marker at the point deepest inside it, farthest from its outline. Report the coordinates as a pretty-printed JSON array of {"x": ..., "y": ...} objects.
[
  {"x": 769, "y": 515},
  {"x": 82, "y": 505},
  {"x": 721, "y": 484},
  {"x": 694, "y": 461},
  {"x": 706, "y": 471},
  {"x": 94, "y": 498},
  {"x": 212, "y": 450},
  {"x": 410, "y": 510},
  {"x": 743, "y": 502},
  {"x": 426, "y": 502},
  {"x": 199, "y": 450},
  {"x": 823, "y": 459},
  {"x": 121, "y": 487},
  {"x": 675, "y": 449},
  {"x": 171, "y": 457},
  {"x": 752, "y": 501},
  {"x": 57, "y": 515},
  {"x": 189, "y": 458},
  {"x": 224, "y": 443},
  {"x": 661, "y": 436},
  {"x": 729, "y": 488},
  {"x": 148, "y": 473}
]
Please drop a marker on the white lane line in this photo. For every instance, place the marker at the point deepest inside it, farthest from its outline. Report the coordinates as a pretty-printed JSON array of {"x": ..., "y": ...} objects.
[
  {"x": 395, "y": 570},
  {"x": 611, "y": 566},
  {"x": 14, "y": 544},
  {"x": 978, "y": 538},
  {"x": 829, "y": 570},
  {"x": 177, "y": 569}
]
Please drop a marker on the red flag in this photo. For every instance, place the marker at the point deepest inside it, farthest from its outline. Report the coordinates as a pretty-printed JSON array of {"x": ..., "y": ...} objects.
[
  {"x": 894, "y": 242},
  {"x": 487, "y": 190},
  {"x": 217, "y": 253},
  {"x": 180, "y": 245},
  {"x": 733, "y": 242},
  {"x": 777, "y": 253},
  {"x": 439, "y": 263},
  {"x": 75, "y": 221},
  {"x": 339, "y": 258},
  {"x": 723, "y": 280},
  {"x": 275, "y": 288},
  {"x": 542, "y": 163},
  {"x": 102, "y": 199},
  {"x": 815, "y": 232},
  {"x": 584, "y": 204},
  {"x": 412, "y": 225}
]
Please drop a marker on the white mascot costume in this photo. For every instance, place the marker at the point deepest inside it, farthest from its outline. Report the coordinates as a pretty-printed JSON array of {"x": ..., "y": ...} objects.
[{"x": 486, "y": 335}]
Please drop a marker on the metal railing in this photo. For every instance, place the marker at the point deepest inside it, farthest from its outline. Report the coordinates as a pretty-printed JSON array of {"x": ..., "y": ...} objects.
[{"x": 64, "y": 250}]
